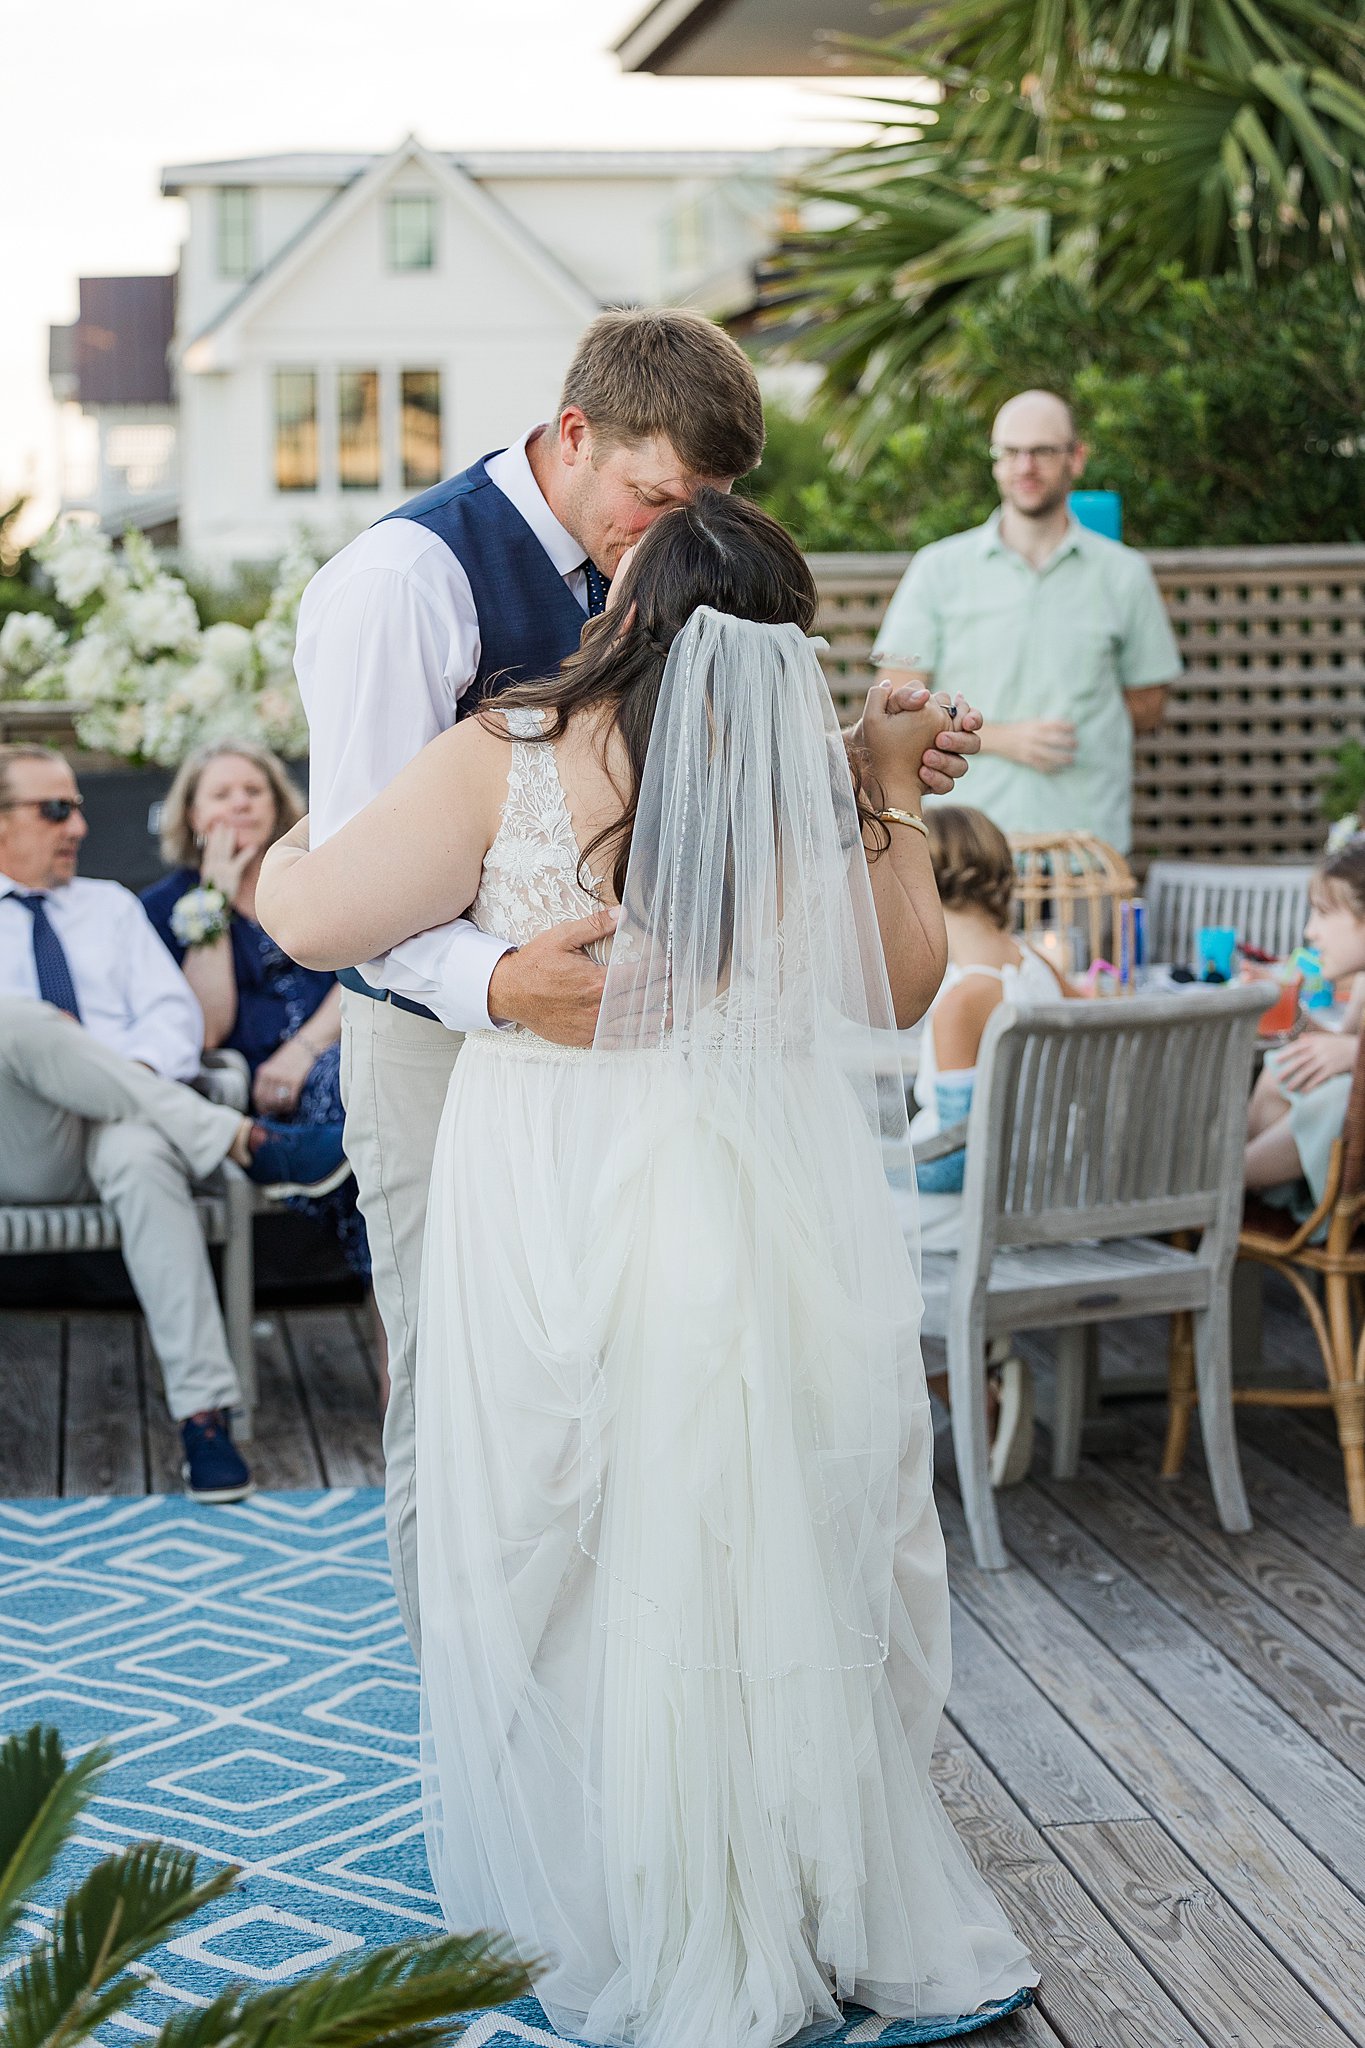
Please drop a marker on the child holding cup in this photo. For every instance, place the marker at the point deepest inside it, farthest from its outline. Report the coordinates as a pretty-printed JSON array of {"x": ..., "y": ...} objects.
[{"x": 1298, "y": 1106}]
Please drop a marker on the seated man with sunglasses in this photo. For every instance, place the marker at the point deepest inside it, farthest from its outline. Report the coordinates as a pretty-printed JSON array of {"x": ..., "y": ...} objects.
[{"x": 99, "y": 1032}]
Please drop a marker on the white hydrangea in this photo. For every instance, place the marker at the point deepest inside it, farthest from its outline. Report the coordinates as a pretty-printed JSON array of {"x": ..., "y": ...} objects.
[
  {"x": 99, "y": 667},
  {"x": 151, "y": 683},
  {"x": 29, "y": 643},
  {"x": 78, "y": 559},
  {"x": 283, "y": 725},
  {"x": 230, "y": 648},
  {"x": 274, "y": 644},
  {"x": 160, "y": 618},
  {"x": 203, "y": 687}
]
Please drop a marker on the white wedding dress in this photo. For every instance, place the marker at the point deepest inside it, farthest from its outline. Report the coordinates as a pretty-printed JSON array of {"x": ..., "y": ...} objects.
[{"x": 683, "y": 1594}]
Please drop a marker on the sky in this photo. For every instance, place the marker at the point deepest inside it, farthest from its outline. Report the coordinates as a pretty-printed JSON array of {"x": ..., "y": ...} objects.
[{"x": 98, "y": 97}]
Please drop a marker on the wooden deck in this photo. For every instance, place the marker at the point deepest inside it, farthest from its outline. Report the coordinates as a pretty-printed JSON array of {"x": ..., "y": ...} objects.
[{"x": 1155, "y": 1743}]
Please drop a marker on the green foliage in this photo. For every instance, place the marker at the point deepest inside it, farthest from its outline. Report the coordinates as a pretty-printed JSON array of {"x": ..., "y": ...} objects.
[
  {"x": 1223, "y": 415},
  {"x": 1105, "y": 141},
  {"x": 41, "y": 1798},
  {"x": 400, "y": 1997},
  {"x": 19, "y": 587},
  {"x": 243, "y": 597},
  {"x": 78, "y": 1977},
  {"x": 1343, "y": 795},
  {"x": 416, "y": 1994}
]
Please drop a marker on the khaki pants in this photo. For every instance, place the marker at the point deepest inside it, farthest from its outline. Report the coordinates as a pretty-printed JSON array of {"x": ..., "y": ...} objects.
[
  {"x": 80, "y": 1123},
  {"x": 395, "y": 1070}
]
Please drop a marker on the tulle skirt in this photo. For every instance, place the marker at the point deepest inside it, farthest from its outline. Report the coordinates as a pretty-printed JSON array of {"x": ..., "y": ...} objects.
[{"x": 683, "y": 1595}]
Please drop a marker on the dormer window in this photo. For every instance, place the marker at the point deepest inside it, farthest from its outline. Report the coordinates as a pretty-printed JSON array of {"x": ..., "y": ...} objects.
[
  {"x": 411, "y": 230},
  {"x": 236, "y": 230}
]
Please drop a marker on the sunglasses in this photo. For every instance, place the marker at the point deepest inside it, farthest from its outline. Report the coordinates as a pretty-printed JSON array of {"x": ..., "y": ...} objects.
[{"x": 56, "y": 809}]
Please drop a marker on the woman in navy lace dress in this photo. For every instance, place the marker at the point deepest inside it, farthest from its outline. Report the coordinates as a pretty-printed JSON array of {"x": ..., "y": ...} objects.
[{"x": 225, "y": 807}]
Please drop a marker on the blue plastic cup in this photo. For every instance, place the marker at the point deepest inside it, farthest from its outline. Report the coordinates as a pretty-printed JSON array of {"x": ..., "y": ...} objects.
[{"x": 1217, "y": 949}]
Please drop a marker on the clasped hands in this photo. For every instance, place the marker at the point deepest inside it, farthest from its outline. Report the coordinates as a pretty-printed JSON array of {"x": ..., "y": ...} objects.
[{"x": 909, "y": 734}]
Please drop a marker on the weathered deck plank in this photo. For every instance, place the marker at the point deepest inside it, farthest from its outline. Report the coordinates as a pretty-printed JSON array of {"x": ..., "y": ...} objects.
[
  {"x": 1275, "y": 1881},
  {"x": 1280, "y": 1764},
  {"x": 1287, "y": 1665},
  {"x": 1097, "y": 1991},
  {"x": 1280, "y": 1568},
  {"x": 32, "y": 1371},
  {"x": 102, "y": 1443},
  {"x": 1057, "y": 1776},
  {"x": 338, "y": 1384},
  {"x": 1202, "y": 1953}
]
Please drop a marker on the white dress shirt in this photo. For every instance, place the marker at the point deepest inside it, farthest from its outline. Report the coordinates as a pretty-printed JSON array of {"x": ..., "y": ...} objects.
[
  {"x": 388, "y": 642},
  {"x": 132, "y": 995}
]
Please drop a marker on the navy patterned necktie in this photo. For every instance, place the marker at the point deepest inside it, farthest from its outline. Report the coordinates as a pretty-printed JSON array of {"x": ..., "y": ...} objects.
[
  {"x": 49, "y": 957},
  {"x": 598, "y": 587}
]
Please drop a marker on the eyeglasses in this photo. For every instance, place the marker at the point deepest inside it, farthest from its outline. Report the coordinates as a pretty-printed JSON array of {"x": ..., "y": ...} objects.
[
  {"x": 1048, "y": 451},
  {"x": 56, "y": 809}
]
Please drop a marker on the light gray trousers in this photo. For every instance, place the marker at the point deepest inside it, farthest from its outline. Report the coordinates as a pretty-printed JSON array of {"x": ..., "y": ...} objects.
[
  {"x": 395, "y": 1070},
  {"x": 80, "y": 1123}
]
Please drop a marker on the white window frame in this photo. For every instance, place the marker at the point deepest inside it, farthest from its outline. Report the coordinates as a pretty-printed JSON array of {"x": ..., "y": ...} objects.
[
  {"x": 391, "y": 203},
  {"x": 244, "y": 227}
]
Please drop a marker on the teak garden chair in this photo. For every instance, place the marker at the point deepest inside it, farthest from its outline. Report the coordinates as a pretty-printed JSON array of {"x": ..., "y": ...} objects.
[{"x": 1096, "y": 1129}]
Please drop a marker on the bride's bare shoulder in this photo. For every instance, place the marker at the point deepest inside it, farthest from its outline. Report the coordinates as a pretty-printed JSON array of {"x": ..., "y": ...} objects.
[{"x": 473, "y": 748}]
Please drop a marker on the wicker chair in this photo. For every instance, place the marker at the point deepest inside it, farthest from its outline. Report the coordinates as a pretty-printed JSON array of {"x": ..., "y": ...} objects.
[{"x": 1329, "y": 1279}]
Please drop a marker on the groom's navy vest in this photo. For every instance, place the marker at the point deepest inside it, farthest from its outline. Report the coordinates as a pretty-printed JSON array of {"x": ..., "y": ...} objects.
[{"x": 529, "y": 619}]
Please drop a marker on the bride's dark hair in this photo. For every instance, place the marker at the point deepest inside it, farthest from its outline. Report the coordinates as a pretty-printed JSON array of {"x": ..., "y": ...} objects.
[{"x": 715, "y": 550}]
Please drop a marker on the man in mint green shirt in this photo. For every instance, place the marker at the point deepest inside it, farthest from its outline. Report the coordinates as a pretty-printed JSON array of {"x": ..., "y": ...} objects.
[{"x": 1057, "y": 635}]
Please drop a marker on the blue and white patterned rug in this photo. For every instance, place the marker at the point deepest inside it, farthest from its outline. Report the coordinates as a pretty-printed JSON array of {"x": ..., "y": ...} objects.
[{"x": 248, "y": 1667}]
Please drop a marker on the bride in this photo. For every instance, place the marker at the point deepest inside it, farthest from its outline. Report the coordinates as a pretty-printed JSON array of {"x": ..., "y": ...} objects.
[{"x": 685, "y": 1612}]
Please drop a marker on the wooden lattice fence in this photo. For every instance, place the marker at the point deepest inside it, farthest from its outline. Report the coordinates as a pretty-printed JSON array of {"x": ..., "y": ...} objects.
[{"x": 1274, "y": 648}]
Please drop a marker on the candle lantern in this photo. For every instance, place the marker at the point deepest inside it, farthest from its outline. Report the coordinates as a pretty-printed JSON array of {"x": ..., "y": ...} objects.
[{"x": 1069, "y": 894}]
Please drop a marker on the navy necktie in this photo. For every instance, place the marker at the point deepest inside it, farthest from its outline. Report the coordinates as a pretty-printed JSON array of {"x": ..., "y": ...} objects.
[
  {"x": 49, "y": 957},
  {"x": 598, "y": 587}
]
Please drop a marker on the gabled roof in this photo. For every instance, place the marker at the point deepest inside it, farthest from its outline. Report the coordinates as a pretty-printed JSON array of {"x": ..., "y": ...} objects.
[
  {"x": 212, "y": 346},
  {"x": 313, "y": 167}
]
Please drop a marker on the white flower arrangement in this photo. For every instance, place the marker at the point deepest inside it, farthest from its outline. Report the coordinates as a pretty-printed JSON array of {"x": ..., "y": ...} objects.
[
  {"x": 150, "y": 680},
  {"x": 30, "y": 646}
]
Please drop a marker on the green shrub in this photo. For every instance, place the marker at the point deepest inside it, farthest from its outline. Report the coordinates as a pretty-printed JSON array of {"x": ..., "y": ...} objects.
[{"x": 1222, "y": 417}]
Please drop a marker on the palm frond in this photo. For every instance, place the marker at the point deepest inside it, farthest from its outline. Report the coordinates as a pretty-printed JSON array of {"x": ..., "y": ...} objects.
[
  {"x": 41, "y": 1798},
  {"x": 1115, "y": 139},
  {"x": 414, "y": 1995},
  {"x": 77, "y": 1976}
]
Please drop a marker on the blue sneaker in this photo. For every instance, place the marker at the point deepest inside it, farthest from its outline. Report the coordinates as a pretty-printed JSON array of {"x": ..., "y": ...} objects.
[
  {"x": 299, "y": 1159},
  {"x": 214, "y": 1469}
]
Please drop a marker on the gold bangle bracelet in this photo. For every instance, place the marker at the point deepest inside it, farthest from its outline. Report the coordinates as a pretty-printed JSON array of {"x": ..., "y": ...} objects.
[{"x": 903, "y": 818}]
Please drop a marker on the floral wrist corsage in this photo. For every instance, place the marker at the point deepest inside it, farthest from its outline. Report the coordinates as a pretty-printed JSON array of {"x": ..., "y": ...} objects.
[{"x": 201, "y": 916}]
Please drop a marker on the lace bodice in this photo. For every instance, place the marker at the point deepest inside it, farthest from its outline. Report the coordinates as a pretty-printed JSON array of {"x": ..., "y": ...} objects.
[{"x": 530, "y": 872}]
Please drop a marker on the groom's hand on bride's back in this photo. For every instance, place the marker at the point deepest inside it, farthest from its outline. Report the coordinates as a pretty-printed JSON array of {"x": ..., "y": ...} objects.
[{"x": 550, "y": 985}]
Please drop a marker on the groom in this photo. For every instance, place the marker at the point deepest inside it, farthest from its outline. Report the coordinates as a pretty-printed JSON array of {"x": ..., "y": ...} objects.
[{"x": 484, "y": 580}]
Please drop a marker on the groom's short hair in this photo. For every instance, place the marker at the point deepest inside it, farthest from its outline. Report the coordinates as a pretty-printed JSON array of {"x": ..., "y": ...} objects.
[{"x": 642, "y": 371}]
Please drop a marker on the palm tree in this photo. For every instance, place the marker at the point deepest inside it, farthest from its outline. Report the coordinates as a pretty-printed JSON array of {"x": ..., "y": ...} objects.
[
  {"x": 1113, "y": 141},
  {"x": 81, "y": 1972}
]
